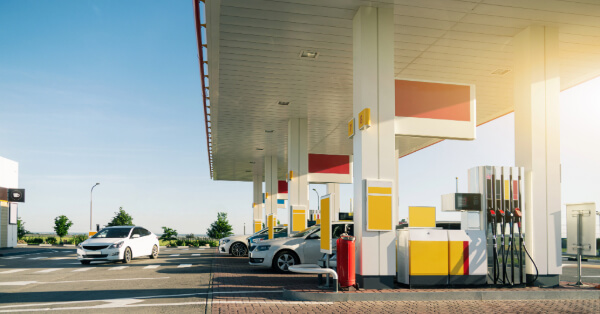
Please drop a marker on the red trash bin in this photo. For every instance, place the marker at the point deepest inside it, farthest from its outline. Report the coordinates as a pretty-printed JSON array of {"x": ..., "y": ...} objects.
[{"x": 346, "y": 266}]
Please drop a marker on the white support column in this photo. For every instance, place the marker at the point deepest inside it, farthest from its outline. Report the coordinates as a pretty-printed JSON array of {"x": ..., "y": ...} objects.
[
  {"x": 257, "y": 193},
  {"x": 537, "y": 146},
  {"x": 270, "y": 185},
  {"x": 334, "y": 190},
  {"x": 374, "y": 147},
  {"x": 298, "y": 168}
]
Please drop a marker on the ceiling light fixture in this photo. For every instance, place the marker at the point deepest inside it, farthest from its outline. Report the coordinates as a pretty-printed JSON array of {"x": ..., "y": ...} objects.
[
  {"x": 309, "y": 54},
  {"x": 500, "y": 71},
  {"x": 258, "y": 148},
  {"x": 269, "y": 131},
  {"x": 283, "y": 103}
]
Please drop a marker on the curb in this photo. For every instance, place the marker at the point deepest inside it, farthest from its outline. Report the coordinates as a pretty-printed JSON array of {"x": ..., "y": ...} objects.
[{"x": 444, "y": 296}]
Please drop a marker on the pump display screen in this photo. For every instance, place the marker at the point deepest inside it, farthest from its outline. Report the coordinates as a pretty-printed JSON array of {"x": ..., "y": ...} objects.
[{"x": 467, "y": 201}]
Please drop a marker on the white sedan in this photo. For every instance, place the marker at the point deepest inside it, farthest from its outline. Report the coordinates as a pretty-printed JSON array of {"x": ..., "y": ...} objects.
[
  {"x": 234, "y": 245},
  {"x": 121, "y": 243},
  {"x": 302, "y": 248}
]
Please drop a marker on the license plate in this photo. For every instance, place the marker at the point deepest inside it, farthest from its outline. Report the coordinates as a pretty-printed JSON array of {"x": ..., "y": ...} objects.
[{"x": 93, "y": 253}]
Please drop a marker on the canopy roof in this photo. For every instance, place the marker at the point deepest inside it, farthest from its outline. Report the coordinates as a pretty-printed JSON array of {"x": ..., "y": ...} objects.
[{"x": 254, "y": 63}]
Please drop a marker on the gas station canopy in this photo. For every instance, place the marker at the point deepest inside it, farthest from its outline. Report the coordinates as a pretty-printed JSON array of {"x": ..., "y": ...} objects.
[{"x": 269, "y": 61}]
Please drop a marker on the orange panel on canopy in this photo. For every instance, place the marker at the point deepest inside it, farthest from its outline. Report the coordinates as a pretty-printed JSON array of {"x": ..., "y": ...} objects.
[{"x": 432, "y": 100}]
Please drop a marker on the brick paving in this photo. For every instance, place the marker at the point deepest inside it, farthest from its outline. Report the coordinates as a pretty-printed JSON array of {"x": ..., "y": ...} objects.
[{"x": 240, "y": 288}]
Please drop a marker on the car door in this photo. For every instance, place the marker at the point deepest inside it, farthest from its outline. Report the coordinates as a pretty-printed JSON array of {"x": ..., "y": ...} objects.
[
  {"x": 147, "y": 241},
  {"x": 136, "y": 244},
  {"x": 311, "y": 248}
]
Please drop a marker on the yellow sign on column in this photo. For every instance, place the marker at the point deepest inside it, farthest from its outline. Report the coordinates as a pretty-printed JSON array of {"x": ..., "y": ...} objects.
[
  {"x": 351, "y": 128},
  {"x": 271, "y": 222},
  {"x": 257, "y": 225},
  {"x": 364, "y": 119},
  {"x": 298, "y": 219},
  {"x": 379, "y": 205},
  {"x": 326, "y": 224}
]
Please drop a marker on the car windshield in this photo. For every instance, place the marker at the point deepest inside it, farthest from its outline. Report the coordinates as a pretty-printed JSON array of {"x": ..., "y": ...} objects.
[
  {"x": 306, "y": 231},
  {"x": 113, "y": 233},
  {"x": 281, "y": 230}
]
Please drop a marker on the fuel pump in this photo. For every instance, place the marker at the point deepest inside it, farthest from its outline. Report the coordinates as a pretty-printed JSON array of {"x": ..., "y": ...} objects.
[
  {"x": 516, "y": 200},
  {"x": 500, "y": 213},
  {"x": 507, "y": 172},
  {"x": 491, "y": 213}
]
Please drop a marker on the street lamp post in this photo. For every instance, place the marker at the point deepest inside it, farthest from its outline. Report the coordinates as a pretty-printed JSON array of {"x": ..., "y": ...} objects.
[{"x": 91, "y": 205}]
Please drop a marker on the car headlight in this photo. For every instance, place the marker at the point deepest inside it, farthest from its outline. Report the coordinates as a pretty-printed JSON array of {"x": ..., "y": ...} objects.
[
  {"x": 117, "y": 245},
  {"x": 263, "y": 247},
  {"x": 80, "y": 246},
  {"x": 256, "y": 240},
  {"x": 225, "y": 241}
]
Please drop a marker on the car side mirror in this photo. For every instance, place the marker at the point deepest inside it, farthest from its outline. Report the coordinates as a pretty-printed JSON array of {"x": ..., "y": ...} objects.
[
  {"x": 313, "y": 237},
  {"x": 135, "y": 236}
]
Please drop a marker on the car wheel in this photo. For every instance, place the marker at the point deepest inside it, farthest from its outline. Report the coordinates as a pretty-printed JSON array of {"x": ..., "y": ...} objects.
[
  {"x": 127, "y": 256},
  {"x": 285, "y": 259},
  {"x": 154, "y": 254},
  {"x": 85, "y": 262},
  {"x": 238, "y": 249}
]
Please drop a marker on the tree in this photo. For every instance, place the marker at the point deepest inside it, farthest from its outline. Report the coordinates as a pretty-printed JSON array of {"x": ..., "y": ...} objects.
[
  {"x": 62, "y": 225},
  {"x": 21, "y": 231},
  {"x": 220, "y": 228},
  {"x": 121, "y": 219},
  {"x": 169, "y": 234}
]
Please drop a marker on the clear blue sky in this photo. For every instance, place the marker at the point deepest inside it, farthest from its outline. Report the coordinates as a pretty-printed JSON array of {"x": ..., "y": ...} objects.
[{"x": 109, "y": 92}]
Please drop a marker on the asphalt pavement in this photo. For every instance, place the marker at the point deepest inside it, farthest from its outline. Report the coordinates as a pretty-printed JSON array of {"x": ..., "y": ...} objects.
[
  {"x": 203, "y": 281},
  {"x": 176, "y": 282}
]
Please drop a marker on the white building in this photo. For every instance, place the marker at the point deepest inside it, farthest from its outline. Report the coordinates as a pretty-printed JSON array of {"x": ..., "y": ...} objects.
[{"x": 9, "y": 178}]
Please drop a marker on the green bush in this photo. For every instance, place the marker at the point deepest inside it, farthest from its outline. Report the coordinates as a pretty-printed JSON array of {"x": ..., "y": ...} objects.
[
  {"x": 180, "y": 242},
  {"x": 33, "y": 240},
  {"x": 78, "y": 238},
  {"x": 67, "y": 241},
  {"x": 51, "y": 240}
]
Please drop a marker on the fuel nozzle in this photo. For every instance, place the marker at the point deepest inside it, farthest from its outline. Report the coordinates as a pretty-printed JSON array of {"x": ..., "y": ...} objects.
[{"x": 518, "y": 215}]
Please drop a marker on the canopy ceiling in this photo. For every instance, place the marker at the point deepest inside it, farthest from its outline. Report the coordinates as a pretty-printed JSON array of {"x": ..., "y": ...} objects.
[{"x": 254, "y": 62}]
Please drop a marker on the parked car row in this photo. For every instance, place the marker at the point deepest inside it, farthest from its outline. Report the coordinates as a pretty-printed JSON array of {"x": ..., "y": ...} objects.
[
  {"x": 123, "y": 243},
  {"x": 238, "y": 245}
]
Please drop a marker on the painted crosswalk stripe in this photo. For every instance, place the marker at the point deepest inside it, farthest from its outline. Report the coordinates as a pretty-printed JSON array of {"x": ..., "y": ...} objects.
[
  {"x": 11, "y": 271},
  {"x": 118, "y": 268},
  {"x": 174, "y": 255},
  {"x": 83, "y": 269},
  {"x": 41, "y": 257},
  {"x": 197, "y": 254},
  {"x": 151, "y": 266},
  {"x": 11, "y": 257},
  {"x": 184, "y": 265},
  {"x": 48, "y": 270},
  {"x": 59, "y": 258}
]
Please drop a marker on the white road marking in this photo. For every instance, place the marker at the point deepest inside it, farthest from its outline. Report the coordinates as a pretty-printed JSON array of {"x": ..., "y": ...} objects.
[
  {"x": 48, "y": 270},
  {"x": 11, "y": 271},
  {"x": 118, "y": 268},
  {"x": 40, "y": 257},
  {"x": 11, "y": 257},
  {"x": 174, "y": 255},
  {"x": 59, "y": 258},
  {"x": 184, "y": 265},
  {"x": 22, "y": 283},
  {"x": 83, "y": 269},
  {"x": 16, "y": 283},
  {"x": 197, "y": 254},
  {"x": 11, "y": 308},
  {"x": 151, "y": 266}
]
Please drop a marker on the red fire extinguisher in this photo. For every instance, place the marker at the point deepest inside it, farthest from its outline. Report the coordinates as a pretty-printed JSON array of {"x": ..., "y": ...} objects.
[{"x": 346, "y": 261}]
